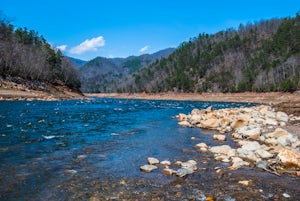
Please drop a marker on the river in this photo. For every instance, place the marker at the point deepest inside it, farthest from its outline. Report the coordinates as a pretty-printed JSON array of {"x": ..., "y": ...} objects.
[{"x": 92, "y": 150}]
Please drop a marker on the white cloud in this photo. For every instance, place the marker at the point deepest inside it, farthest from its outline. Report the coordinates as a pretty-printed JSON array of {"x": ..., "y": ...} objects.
[
  {"x": 61, "y": 47},
  {"x": 89, "y": 45},
  {"x": 143, "y": 49}
]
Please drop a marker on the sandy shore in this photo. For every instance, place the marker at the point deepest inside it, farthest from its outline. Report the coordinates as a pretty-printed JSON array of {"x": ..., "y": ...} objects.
[{"x": 263, "y": 98}]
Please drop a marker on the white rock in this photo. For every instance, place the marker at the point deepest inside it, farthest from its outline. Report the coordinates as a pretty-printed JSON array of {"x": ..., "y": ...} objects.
[
  {"x": 271, "y": 122},
  {"x": 169, "y": 172},
  {"x": 182, "y": 172},
  {"x": 195, "y": 119},
  {"x": 190, "y": 165},
  {"x": 210, "y": 123},
  {"x": 253, "y": 133},
  {"x": 237, "y": 162},
  {"x": 247, "y": 154},
  {"x": 251, "y": 145},
  {"x": 165, "y": 162},
  {"x": 245, "y": 183},
  {"x": 148, "y": 168},
  {"x": 184, "y": 123},
  {"x": 201, "y": 145},
  {"x": 223, "y": 149},
  {"x": 219, "y": 137},
  {"x": 263, "y": 154},
  {"x": 152, "y": 161},
  {"x": 203, "y": 149},
  {"x": 182, "y": 117},
  {"x": 281, "y": 116}
]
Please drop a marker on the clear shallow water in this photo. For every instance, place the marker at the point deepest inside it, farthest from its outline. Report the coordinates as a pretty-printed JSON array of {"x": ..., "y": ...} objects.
[{"x": 70, "y": 150}]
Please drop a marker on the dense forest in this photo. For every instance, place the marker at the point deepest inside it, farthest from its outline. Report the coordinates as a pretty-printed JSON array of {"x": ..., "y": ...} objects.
[
  {"x": 260, "y": 57},
  {"x": 27, "y": 55}
]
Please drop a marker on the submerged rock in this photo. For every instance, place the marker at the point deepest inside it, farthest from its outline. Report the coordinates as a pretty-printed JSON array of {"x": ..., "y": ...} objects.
[{"x": 183, "y": 172}]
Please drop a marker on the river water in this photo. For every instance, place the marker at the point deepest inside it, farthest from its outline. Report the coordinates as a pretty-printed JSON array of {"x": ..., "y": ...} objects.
[{"x": 92, "y": 150}]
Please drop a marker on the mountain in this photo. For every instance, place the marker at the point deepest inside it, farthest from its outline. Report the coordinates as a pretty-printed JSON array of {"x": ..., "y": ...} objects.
[
  {"x": 260, "y": 57},
  {"x": 77, "y": 62},
  {"x": 109, "y": 74}
]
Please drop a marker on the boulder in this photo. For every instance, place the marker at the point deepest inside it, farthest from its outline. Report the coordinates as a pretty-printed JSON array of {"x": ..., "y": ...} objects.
[
  {"x": 152, "y": 161},
  {"x": 210, "y": 123},
  {"x": 237, "y": 162},
  {"x": 182, "y": 117},
  {"x": 223, "y": 149},
  {"x": 169, "y": 172},
  {"x": 219, "y": 137},
  {"x": 271, "y": 122},
  {"x": 251, "y": 133},
  {"x": 165, "y": 162},
  {"x": 190, "y": 165},
  {"x": 224, "y": 122},
  {"x": 263, "y": 154},
  {"x": 195, "y": 119},
  {"x": 289, "y": 157},
  {"x": 239, "y": 123},
  {"x": 197, "y": 112},
  {"x": 251, "y": 145},
  {"x": 247, "y": 154},
  {"x": 148, "y": 168},
  {"x": 281, "y": 116},
  {"x": 201, "y": 145},
  {"x": 184, "y": 123},
  {"x": 209, "y": 109},
  {"x": 280, "y": 132}
]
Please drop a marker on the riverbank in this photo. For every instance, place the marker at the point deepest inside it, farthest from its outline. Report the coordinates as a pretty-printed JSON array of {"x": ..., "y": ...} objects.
[
  {"x": 249, "y": 97},
  {"x": 34, "y": 90},
  {"x": 286, "y": 102}
]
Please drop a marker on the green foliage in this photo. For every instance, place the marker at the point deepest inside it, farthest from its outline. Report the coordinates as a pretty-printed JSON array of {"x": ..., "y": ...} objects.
[
  {"x": 288, "y": 86},
  {"x": 133, "y": 65}
]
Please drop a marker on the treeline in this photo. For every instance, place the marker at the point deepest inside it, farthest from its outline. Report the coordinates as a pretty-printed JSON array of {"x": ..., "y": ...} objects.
[
  {"x": 26, "y": 54},
  {"x": 260, "y": 57}
]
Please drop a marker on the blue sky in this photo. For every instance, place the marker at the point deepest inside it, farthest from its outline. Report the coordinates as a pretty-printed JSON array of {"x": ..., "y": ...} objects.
[{"x": 109, "y": 28}]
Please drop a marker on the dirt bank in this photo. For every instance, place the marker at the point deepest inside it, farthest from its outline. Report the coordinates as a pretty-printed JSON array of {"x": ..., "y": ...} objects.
[
  {"x": 286, "y": 102},
  {"x": 20, "y": 89}
]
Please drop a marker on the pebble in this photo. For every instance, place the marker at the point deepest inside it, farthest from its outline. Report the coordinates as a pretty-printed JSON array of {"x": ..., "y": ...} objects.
[
  {"x": 245, "y": 182},
  {"x": 148, "y": 168},
  {"x": 152, "y": 161},
  {"x": 183, "y": 172},
  {"x": 165, "y": 162}
]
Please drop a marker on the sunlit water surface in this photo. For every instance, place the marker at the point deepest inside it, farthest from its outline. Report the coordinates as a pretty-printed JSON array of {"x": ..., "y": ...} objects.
[{"x": 77, "y": 149}]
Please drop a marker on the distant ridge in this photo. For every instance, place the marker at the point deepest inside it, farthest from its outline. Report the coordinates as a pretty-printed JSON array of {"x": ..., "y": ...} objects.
[
  {"x": 77, "y": 62},
  {"x": 108, "y": 74}
]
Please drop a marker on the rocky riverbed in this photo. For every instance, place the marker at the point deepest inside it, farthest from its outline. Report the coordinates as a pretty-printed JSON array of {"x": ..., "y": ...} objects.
[{"x": 258, "y": 132}]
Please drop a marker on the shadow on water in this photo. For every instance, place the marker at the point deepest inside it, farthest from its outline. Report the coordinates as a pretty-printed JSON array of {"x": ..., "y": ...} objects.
[{"x": 92, "y": 150}]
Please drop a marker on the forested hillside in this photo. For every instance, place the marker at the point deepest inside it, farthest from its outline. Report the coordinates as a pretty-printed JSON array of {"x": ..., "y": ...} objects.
[
  {"x": 260, "y": 57},
  {"x": 27, "y": 55},
  {"x": 108, "y": 74}
]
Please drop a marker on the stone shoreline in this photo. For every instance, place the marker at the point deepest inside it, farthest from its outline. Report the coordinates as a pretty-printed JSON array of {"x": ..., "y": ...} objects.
[{"x": 258, "y": 132}]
